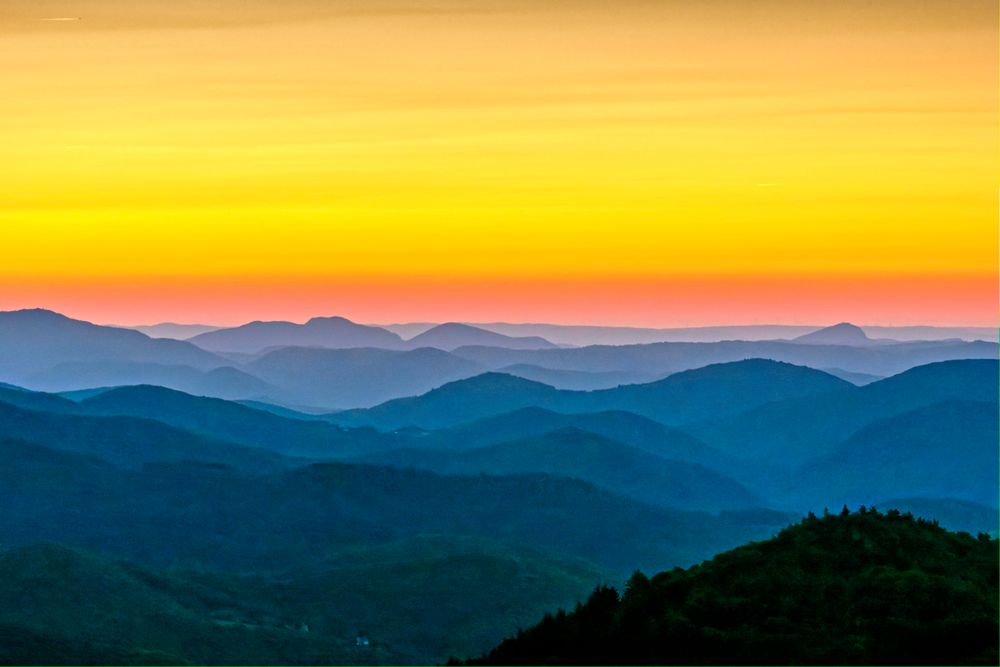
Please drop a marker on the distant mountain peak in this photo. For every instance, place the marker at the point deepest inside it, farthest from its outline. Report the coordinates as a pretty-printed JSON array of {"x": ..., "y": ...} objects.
[
  {"x": 452, "y": 335},
  {"x": 332, "y": 319},
  {"x": 455, "y": 326},
  {"x": 496, "y": 380},
  {"x": 35, "y": 313},
  {"x": 333, "y": 332},
  {"x": 843, "y": 333}
]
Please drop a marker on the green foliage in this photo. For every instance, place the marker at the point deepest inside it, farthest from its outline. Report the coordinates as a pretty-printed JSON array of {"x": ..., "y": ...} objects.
[
  {"x": 198, "y": 515},
  {"x": 863, "y": 588},
  {"x": 418, "y": 600}
]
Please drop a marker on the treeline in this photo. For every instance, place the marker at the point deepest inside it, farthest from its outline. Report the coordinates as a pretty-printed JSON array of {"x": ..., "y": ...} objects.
[{"x": 854, "y": 588}]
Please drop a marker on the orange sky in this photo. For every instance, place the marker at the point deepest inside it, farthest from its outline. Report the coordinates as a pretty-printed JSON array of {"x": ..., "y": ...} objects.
[{"x": 648, "y": 163}]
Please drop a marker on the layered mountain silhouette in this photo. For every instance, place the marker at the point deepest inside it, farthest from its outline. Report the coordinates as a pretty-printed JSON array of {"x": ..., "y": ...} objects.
[
  {"x": 129, "y": 441},
  {"x": 45, "y": 351},
  {"x": 626, "y": 427},
  {"x": 223, "y": 382},
  {"x": 454, "y": 335},
  {"x": 197, "y": 515},
  {"x": 947, "y": 450},
  {"x": 236, "y": 423},
  {"x": 660, "y": 359},
  {"x": 350, "y": 378},
  {"x": 578, "y": 380},
  {"x": 35, "y": 340},
  {"x": 339, "y": 333},
  {"x": 174, "y": 330},
  {"x": 570, "y": 452},
  {"x": 684, "y": 397},
  {"x": 797, "y": 429},
  {"x": 844, "y": 333},
  {"x": 332, "y": 332},
  {"x": 457, "y": 498},
  {"x": 584, "y": 335}
]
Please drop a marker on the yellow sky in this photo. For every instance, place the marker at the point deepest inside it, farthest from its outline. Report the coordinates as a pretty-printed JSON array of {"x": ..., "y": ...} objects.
[{"x": 483, "y": 138}]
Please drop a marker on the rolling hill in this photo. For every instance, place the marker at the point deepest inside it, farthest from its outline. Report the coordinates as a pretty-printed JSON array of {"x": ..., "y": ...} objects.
[
  {"x": 97, "y": 608},
  {"x": 452, "y": 335},
  {"x": 855, "y": 589},
  {"x": 130, "y": 441},
  {"x": 35, "y": 341},
  {"x": 946, "y": 450},
  {"x": 326, "y": 332},
  {"x": 661, "y": 359},
  {"x": 608, "y": 464},
  {"x": 351, "y": 378},
  {"x": 576, "y": 380},
  {"x": 631, "y": 429},
  {"x": 792, "y": 431},
  {"x": 721, "y": 389},
  {"x": 446, "y": 596},
  {"x": 222, "y": 382},
  {"x": 197, "y": 515},
  {"x": 844, "y": 333},
  {"x": 233, "y": 422}
]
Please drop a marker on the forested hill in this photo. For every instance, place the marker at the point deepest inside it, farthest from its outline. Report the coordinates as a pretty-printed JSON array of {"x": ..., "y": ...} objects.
[{"x": 862, "y": 588}]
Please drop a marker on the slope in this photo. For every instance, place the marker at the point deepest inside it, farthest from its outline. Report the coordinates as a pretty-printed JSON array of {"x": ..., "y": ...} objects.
[
  {"x": 721, "y": 389},
  {"x": 237, "y": 423},
  {"x": 608, "y": 464},
  {"x": 328, "y": 332},
  {"x": 351, "y": 378},
  {"x": 864, "y": 588},
  {"x": 198, "y": 516},
  {"x": 947, "y": 449},
  {"x": 792, "y": 431},
  {"x": 452, "y": 335}
]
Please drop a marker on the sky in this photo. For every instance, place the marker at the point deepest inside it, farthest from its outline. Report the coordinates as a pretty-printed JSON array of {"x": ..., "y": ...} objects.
[{"x": 641, "y": 162}]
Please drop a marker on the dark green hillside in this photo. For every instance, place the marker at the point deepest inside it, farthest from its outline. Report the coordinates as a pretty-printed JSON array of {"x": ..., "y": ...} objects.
[
  {"x": 606, "y": 463},
  {"x": 433, "y": 596},
  {"x": 199, "y": 515},
  {"x": 950, "y": 513},
  {"x": 65, "y": 606},
  {"x": 418, "y": 601},
  {"x": 863, "y": 588}
]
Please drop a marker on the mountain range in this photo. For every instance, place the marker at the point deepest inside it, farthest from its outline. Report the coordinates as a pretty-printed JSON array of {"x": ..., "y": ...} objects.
[
  {"x": 451, "y": 504},
  {"x": 723, "y": 389},
  {"x": 331, "y": 363}
]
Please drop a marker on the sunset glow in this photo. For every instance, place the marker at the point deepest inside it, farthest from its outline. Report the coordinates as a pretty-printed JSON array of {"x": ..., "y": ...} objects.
[{"x": 577, "y": 161}]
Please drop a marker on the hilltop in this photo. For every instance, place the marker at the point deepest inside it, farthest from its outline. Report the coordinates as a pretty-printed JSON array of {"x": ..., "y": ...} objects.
[{"x": 864, "y": 588}]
